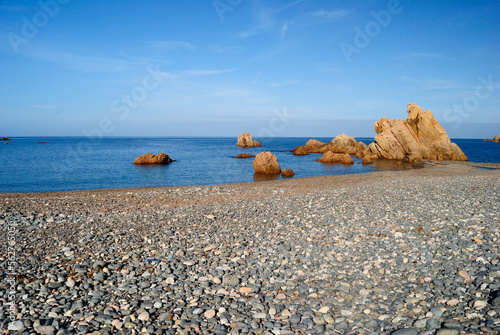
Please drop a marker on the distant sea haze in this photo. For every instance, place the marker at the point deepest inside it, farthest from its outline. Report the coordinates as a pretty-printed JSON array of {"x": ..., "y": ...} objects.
[{"x": 74, "y": 163}]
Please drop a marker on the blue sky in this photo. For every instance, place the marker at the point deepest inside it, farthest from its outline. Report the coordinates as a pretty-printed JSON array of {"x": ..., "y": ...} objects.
[{"x": 218, "y": 68}]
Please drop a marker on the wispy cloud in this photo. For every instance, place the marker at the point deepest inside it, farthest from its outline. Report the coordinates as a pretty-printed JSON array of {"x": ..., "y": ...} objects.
[
  {"x": 333, "y": 14},
  {"x": 253, "y": 31},
  {"x": 205, "y": 72},
  {"x": 173, "y": 45},
  {"x": 284, "y": 29},
  {"x": 225, "y": 49},
  {"x": 288, "y": 6}
]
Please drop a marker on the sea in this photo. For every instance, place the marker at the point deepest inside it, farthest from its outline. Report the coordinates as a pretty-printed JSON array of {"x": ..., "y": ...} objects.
[{"x": 52, "y": 164}]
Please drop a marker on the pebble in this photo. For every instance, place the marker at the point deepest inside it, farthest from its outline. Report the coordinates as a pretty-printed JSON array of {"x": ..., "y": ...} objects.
[
  {"x": 405, "y": 331},
  {"x": 45, "y": 329},
  {"x": 16, "y": 325},
  {"x": 144, "y": 316},
  {"x": 209, "y": 314},
  {"x": 447, "y": 331}
]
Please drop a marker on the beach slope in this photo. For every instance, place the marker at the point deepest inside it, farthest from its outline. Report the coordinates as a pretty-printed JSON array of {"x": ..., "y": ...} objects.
[{"x": 354, "y": 254}]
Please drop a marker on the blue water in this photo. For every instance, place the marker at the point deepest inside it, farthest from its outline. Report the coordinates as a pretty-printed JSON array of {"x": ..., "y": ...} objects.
[{"x": 79, "y": 163}]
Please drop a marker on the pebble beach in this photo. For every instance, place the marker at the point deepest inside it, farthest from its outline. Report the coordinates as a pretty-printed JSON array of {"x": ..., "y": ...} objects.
[{"x": 397, "y": 252}]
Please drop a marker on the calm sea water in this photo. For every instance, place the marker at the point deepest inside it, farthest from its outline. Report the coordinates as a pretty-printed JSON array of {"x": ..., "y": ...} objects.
[{"x": 74, "y": 163}]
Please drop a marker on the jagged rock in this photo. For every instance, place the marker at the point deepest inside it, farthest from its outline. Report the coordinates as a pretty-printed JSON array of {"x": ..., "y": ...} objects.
[
  {"x": 287, "y": 173},
  {"x": 266, "y": 162},
  {"x": 330, "y": 157},
  {"x": 362, "y": 147},
  {"x": 149, "y": 158},
  {"x": 418, "y": 137},
  {"x": 5, "y": 139},
  {"x": 245, "y": 156},
  {"x": 246, "y": 140}
]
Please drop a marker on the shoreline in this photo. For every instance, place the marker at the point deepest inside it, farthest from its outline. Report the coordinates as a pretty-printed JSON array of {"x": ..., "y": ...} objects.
[
  {"x": 425, "y": 164},
  {"x": 345, "y": 254}
]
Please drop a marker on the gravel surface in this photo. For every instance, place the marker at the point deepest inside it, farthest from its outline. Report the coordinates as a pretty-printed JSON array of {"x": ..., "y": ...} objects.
[{"x": 406, "y": 252}]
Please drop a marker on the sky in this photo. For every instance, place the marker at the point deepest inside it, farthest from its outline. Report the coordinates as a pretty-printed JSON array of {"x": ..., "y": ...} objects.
[{"x": 300, "y": 68}]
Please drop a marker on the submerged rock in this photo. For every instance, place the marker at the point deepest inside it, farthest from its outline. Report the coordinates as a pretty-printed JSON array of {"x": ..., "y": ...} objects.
[
  {"x": 245, "y": 156},
  {"x": 287, "y": 173}
]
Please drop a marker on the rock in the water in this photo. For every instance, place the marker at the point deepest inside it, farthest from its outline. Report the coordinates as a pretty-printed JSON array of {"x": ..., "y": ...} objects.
[
  {"x": 340, "y": 144},
  {"x": 314, "y": 145},
  {"x": 300, "y": 151},
  {"x": 266, "y": 162},
  {"x": 367, "y": 160},
  {"x": 344, "y": 144},
  {"x": 245, "y": 156},
  {"x": 330, "y": 157},
  {"x": 287, "y": 173},
  {"x": 5, "y": 139},
  {"x": 362, "y": 148},
  {"x": 418, "y": 137},
  {"x": 161, "y": 158},
  {"x": 246, "y": 140},
  {"x": 494, "y": 139}
]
